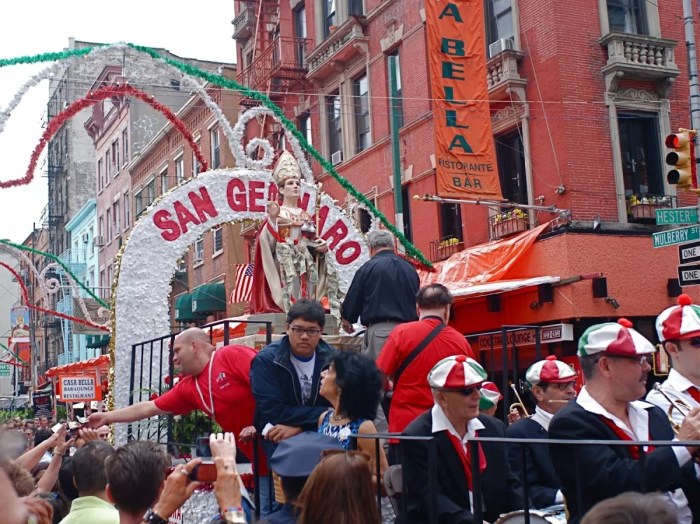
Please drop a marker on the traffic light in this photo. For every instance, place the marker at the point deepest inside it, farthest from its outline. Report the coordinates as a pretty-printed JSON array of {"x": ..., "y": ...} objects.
[{"x": 682, "y": 158}]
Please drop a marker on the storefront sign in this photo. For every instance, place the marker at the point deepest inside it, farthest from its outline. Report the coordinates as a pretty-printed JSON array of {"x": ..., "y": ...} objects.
[
  {"x": 465, "y": 162},
  {"x": 41, "y": 402},
  {"x": 526, "y": 337},
  {"x": 79, "y": 388}
]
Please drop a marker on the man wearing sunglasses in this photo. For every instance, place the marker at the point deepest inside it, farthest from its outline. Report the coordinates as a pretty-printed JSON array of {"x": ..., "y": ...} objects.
[
  {"x": 615, "y": 363},
  {"x": 453, "y": 420},
  {"x": 678, "y": 328},
  {"x": 285, "y": 376},
  {"x": 552, "y": 384}
]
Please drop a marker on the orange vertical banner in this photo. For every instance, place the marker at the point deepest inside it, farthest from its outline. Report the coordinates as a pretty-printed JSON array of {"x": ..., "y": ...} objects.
[{"x": 465, "y": 159}]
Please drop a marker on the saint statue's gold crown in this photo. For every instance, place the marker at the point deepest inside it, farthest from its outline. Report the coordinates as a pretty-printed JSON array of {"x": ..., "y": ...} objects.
[{"x": 285, "y": 168}]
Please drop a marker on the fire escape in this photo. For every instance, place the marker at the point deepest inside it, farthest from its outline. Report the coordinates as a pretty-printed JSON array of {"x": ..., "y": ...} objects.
[{"x": 274, "y": 63}]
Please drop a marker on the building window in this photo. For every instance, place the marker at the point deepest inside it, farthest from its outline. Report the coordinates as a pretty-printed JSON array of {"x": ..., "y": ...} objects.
[
  {"x": 127, "y": 211},
  {"x": 138, "y": 203},
  {"x": 335, "y": 129},
  {"x": 101, "y": 228},
  {"x": 115, "y": 157},
  {"x": 451, "y": 221},
  {"x": 115, "y": 218},
  {"x": 125, "y": 146},
  {"x": 398, "y": 94},
  {"x": 301, "y": 35},
  {"x": 199, "y": 250},
  {"x": 511, "y": 167},
  {"x": 109, "y": 225},
  {"x": 330, "y": 16},
  {"x": 499, "y": 17},
  {"x": 406, "y": 210},
  {"x": 304, "y": 127},
  {"x": 100, "y": 175},
  {"x": 214, "y": 146},
  {"x": 355, "y": 8},
  {"x": 360, "y": 89},
  {"x": 218, "y": 238},
  {"x": 639, "y": 148},
  {"x": 103, "y": 287},
  {"x": 363, "y": 219},
  {"x": 108, "y": 166},
  {"x": 627, "y": 16},
  {"x": 180, "y": 170},
  {"x": 195, "y": 162},
  {"x": 164, "y": 181},
  {"x": 150, "y": 192}
]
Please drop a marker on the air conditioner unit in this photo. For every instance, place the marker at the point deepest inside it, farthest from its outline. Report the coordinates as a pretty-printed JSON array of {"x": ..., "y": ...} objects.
[
  {"x": 99, "y": 241},
  {"x": 337, "y": 158},
  {"x": 500, "y": 45}
]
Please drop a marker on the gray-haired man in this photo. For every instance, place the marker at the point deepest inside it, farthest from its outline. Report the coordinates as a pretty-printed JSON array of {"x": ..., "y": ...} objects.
[{"x": 382, "y": 294}]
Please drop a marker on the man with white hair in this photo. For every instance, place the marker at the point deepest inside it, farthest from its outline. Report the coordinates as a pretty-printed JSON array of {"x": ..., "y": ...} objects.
[
  {"x": 678, "y": 328},
  {"x": 382, "y": 294},
  {"x": 452, "y": 421},
  {"x": 614, "y": 359}
]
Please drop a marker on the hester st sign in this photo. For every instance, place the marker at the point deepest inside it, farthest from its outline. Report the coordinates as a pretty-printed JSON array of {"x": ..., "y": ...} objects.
[
  {"x": 677, "y": 216},
  {"x": 681, "y": 235}
]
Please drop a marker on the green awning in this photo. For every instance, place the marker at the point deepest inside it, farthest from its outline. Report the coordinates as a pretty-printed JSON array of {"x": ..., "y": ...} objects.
[
  {"x": 183, "y": 309},
  {"x": 97, "y": 341},
  {"x": 208, "y": 298}
]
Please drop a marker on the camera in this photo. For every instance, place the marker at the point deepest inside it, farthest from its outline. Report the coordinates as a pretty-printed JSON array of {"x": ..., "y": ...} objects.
[
  {"x": 202, "y": 448},
  {"x": 204, "y": 472}
]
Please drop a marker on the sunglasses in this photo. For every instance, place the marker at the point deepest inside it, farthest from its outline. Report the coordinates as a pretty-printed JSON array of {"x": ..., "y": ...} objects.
[
  {"x": 351, "y": 452},
  {"x": 465, "y": 392}
]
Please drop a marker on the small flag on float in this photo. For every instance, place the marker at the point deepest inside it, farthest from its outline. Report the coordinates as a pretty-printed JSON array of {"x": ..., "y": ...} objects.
[{"x": 244, "y": 283}]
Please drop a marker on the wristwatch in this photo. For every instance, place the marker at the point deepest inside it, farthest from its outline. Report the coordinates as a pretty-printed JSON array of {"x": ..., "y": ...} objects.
[
  {"x": 234, "y": 515},
  {"x": 151, "y": 517}
]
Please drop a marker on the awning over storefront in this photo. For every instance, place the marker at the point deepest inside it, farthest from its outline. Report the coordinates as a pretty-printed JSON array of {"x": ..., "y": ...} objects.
[
  {"x": 101, "y": 362},
  {"x": 97, "y": 341},
  {"x": 208, "y": 298},
  {"x": 183, "y": 309},
  {"x": 470, "y": 272}
]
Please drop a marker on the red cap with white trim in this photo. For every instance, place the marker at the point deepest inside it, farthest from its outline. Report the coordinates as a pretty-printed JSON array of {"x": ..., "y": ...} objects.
[{"x": 679, "y": 322}]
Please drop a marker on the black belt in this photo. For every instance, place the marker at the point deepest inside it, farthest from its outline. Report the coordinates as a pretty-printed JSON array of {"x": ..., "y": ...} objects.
[{"x": 384, "y": 320}]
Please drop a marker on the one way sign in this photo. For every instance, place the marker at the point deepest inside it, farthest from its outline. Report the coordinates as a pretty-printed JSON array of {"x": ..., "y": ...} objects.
[
  {"x": 689, "y": 275},
  {"x": 688, "y": 253}
]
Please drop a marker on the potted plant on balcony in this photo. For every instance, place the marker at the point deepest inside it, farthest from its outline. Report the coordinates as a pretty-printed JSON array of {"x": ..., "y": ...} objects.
[
  {"x": 645, "y": 206},
  {"x": 509, "y": 222},
  {"x": 447, "y": 246}
]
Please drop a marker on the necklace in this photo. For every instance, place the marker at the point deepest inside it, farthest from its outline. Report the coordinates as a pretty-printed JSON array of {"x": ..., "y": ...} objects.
[
  {"x": 336, "y": 418},
  {"x": 208, "y": 407}
]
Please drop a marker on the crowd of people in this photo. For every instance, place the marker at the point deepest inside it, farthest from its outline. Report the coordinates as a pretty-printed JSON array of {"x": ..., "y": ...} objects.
[{"x": 317, "y": 411}]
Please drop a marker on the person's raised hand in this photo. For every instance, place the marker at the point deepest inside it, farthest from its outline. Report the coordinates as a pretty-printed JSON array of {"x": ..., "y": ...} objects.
[
  {"x": 39, "y": 508},
  {"x": 58, "y": 437},
  {"x": 227, "y": 487},
  {"x": 98, "y": 419},
  {"x": 177, "y": 489},
  {"x": 247, "y": 434},
  {"x": 88, "y": 434},
  {"x": 281, "y": 432},
  {"x": 223, "y": 445},
  {"x": 63, "y": 445},
  {"x": 347, "y": 326}
]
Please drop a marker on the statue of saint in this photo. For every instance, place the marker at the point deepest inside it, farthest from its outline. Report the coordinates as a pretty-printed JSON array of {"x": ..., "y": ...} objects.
[{"x": 290, "y": 260}]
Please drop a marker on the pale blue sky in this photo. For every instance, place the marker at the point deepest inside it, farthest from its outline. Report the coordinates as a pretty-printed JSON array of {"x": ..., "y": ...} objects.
[{"x": 199, "y": 29}]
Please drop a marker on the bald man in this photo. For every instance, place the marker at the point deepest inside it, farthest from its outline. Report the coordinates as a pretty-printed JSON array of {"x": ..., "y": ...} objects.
[{"x": 216, "y": 382}]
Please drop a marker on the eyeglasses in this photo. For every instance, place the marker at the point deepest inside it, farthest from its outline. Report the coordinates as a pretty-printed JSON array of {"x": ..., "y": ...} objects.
[
  {"x": 465, "y": 392},
  {"x": 351, "y": 452},
  {"x": 563, "y": 386},
  {"x": 641, "y": 360},
  {"x": 298, "y": 330}
]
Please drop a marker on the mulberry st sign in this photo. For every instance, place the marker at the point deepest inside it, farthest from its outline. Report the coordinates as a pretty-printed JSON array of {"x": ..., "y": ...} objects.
[{"x": 681, "y": 235}]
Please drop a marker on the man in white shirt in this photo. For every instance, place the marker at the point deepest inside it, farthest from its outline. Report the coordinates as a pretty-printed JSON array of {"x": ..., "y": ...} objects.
[
  {"x": 614, "y": 359},
  {"x": 552, "y": 384},
  {"x": 678, "y": 328}
]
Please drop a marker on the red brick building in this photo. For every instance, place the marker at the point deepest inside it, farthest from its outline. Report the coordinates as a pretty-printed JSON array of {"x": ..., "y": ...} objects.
[
  {"x": 581, "y": 97},
  {"x": 207, "y": 269}
]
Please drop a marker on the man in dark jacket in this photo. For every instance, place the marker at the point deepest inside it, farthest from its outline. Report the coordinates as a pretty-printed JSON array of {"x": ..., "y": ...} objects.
[
  {"x": 452, "y": 422},
  {"x": 285, "y": 377}
]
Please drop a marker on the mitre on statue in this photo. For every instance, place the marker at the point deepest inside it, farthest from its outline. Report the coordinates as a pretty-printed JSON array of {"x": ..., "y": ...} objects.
[{"x": 286, "y": 167}]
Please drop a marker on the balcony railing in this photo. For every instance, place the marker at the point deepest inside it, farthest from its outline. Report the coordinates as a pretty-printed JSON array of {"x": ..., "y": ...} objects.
[
  {"x": 502, "y": 72},
  {"x": 642, "y": 208},
  {"x": 445, "y": 247},
  {"x": 639, "y": 57},
  {"x": 77, "y": 268},
  {"x": 342, "y": 45},
  {"x": 507, "y": 223},
  {"x": 284, "y": 59},
  {"x": 244, "y": 23}
]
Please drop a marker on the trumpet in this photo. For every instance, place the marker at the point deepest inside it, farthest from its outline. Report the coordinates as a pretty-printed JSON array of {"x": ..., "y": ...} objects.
[
  {"x": 679, "y": 405},
  {"x": 519, "y": 405}
]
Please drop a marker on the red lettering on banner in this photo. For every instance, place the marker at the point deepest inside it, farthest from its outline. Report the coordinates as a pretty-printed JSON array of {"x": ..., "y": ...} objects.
[
  {"x": 203, "y": 204},
  {"x": 235, "y": 194},
  {"x": 162, "y": 220},
  {"x": 352, "y": 246},
  {"x": 337, "y": 232},
  {"x": 255, "y": 193},
  {"x": 184, "y": 216}
]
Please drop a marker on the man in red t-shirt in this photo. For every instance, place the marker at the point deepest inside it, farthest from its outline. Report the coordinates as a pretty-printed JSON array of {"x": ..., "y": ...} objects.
[
  {"x": 216, "y": 382},
  {"x": 412, "y": 395}
]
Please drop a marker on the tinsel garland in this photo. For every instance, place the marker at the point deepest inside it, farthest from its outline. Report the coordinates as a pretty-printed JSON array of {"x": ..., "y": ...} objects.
[
  {"x": 220, "y": 80},
  {"x": 24, "y": 363},
  {"x": 58, "y": 261},
  {"x": 92, "y": 98},
  {"x": 28, "y": 302}
]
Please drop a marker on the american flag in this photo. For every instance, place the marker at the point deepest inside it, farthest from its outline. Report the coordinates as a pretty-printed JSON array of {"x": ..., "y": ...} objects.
[{"x": 244, "y": 283}]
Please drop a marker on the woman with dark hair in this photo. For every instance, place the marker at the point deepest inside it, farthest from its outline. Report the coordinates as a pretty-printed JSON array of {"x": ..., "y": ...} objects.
[
  {"x": 339, "y": 490},
  {"x": 352, "y": 384}
]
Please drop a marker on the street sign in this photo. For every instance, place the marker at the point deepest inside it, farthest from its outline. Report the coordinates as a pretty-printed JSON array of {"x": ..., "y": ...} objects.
[
  {"x": 679, "y": 215},
  {"x": 4, "y": 370},
  {"x": 689, "y": 275},
  {"x": 688, "y": 253},
  {"x": 526, "y": 337},
  {"x": 681, "y": 235}
]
